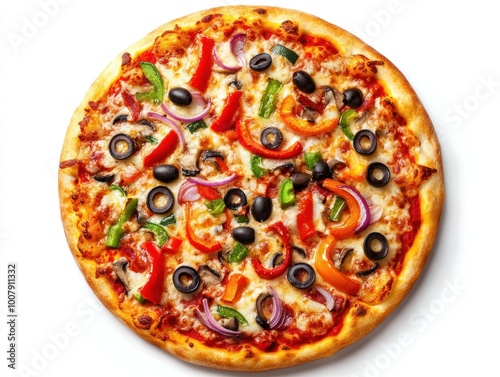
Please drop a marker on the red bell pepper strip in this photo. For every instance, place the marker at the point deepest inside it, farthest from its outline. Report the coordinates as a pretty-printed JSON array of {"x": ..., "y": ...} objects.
[
  {"x": 132, "y": 104},
  {"x": 199, "y": 80},
  {"x": 327, "y": 270},
  {"x": 272, "y": 273},
  {"x": 164, "y": 149},
  {"x": 245, "y": 139},
  {"x": 172, "y": 245},
  {"x": 208, "y": 193},
  {"x": 305, "y": 220},
  {"x": 153, "y": 289},
  {"x": 226, "y": 119},
  {"x": 194, "y": 240}
]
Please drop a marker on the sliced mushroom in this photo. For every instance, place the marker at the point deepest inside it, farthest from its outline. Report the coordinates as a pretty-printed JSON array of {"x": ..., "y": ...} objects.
[
  {"x": 229, "y": 323},
  {"x": 120, "y": 267},
  {"x": 330, "y": 94},
  {"x": 272, "y": 164},
  {"x": 209, "y": 276},
  {"x": 340, "y": 257},
  {"x": 189, "y": 164}
]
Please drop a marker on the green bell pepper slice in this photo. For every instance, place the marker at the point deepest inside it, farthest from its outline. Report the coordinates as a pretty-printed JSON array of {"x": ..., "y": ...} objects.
[
  {"x": 115, "y": 231},
  {"x": 226, "y": 312},
  {"x": 159, "y": 231},
  {"x": 286, "y": 193},
  {"x": 345, "y": 122},
  {"x": 157, "y": 86},
  {"x": 270, "y": 98}
]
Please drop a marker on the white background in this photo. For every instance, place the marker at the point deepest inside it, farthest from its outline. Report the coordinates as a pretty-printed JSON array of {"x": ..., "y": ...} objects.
[{"x": 50, "y": 54}]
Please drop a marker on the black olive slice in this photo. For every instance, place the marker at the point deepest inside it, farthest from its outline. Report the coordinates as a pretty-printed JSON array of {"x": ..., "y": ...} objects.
[
  {"x": 205, "y": 155},
  {"x": 261, "y": 322},
  {"x": 376, "y": 246},
  {"x": 261, "y": 208},
  {"x": 377, "y": 174},
  {"x": 261, "y": 62},
  {"x": 301, "y": 275},
  {"x": 365, "y": 142},
  {"x": 271, "y": 137},
  {"x": 321, "y": 171},
  {"x": 235, "y": 198},
  {"x": 277, "y": 259},
  {"x": 104, "y": 178},
  {"x": 244, "y": 234},
  {"x": 303, "y": 81},
  {"x": 237, "y": 84},
  {"x": 299, "y": 251},
  {"x": 370, "y": 271},
  {"x": 160, "y": 200},
  {"x": 186, "y": 279},
  {"x": 259, "y": 306},
  {"x": 147, "y": 123},
  {"x": 180, "y": 96},
  {"x": 120, "y": 119},
  {"x": 166, "y": 173},
  {"x": 353, "y": 97},
  {"x": 121, "y": 146},
  {"x": 300, "y": 180}
]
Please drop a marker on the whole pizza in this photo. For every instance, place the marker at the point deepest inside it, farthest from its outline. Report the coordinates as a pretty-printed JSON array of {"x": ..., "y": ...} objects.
[{"x": 251, "y": 188}]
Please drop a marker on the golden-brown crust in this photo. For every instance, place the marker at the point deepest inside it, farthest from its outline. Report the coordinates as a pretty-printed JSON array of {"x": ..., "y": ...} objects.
[{"x": 362, "y": 318}]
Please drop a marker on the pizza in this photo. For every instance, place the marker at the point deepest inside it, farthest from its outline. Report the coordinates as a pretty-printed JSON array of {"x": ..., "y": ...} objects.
[{"x": 251, "y": 188}]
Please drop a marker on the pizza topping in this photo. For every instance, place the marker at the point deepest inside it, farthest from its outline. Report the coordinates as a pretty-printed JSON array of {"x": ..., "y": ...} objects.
[
  {"x": 235, "y": 286},
  {"x": 261, "y": 208},
  {"x": 226, "y": 119},
  {"x": 300, "y": 180},
  {"x": 286, "y": 193},
  {"x": 244, "y": 234},
  {"x": 353, "y": 98},
  {"x": 320, "y": 171},
  {"x": 193, "y": 113},
  {"x": 261, "y": 62},
  {"x": 189, "y": 164},
  {"x": 160, "y": 200},
  {"x": 186, "y": 279},
  {"x": 120, "y": 266},
  {"x": 270, "y": 98},
  {"x": 303, "y": 126},
  {"x": 286, "y": 52},
  {"x": 188, "y": 192},
  {"x": 201, "y": 77},
  {"x": 153, "y": 289},
  {"x": 305, "y": 215},
  {"x": 376, "y": 246},
  {"x": 255, "y": 165},
  {"x": 271, "y": 137},
  {"x": 121, "y": 147},
  {"x": 304, "y": 82},
  {"x": 227, "y": 312},
  {"x": 274, "y": 272},
  {"x": 346, "y": 118},
  {"x": 237, "y": 45},
  {"x": 378, "y": 174},
  {"x": 122, "y": 118},
  {"x": 202, "y": 244},
  {"x": 116, "y": 231},
  {"x": 208, "y": 320},
  {"x": 329, "y": 301},
  {"x": 301, "y": 275},
  {"x": 157, "y": 86},
  {"x": 278, "y": 316},
  {"x": 235, "y": 198},
  {"x": 365, "y": 142},
  {"x": 166, "y": 173},
  {"x": 326, "y": 268},
  {"x": 180, "y": 96},
  {"x": 164, "y": 149},
  {"x": 245, "y": 139},
  {"x": 158, "y": 230}
]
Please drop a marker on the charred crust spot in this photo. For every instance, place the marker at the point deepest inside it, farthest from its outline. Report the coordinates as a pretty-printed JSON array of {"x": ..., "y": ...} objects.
[
  {"x": 208, "y": 18},
  {"x": 290, "y": 28},
  {"x": 126, "y": 59},
  {"x": 260, "y": 11},
  {"x": 191, "y": 345},
  {"x": 143, "y": 322},
  {"x": 359, "y": 311},
  {"x": 373, "y": 65},
  {"x": 249, "y": 353}
]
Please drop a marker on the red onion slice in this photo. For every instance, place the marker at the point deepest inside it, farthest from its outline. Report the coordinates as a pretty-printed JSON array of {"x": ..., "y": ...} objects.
[
  {"x": 208, "y": 321},
  {"x": 330, "y": 304},
  {"x": 278, "y": 315},
  {"x": 204, "y": 182},
  {"x": 188, "y": 192},
  {"x": 237, "y": 44},
  {"x": 375, "y": 212},
  {"x": 188, "y": 119},
  {"x": 171, "y": 123},
  {"x": 364, "y": 218},
  {"x": 221, "y": 64}
]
